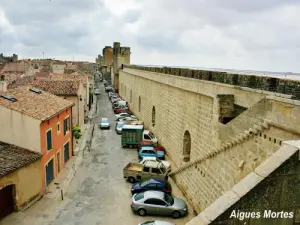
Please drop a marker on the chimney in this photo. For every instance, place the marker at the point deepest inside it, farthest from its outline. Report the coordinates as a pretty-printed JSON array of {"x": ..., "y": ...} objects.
[{"x": 3, "y": 86}]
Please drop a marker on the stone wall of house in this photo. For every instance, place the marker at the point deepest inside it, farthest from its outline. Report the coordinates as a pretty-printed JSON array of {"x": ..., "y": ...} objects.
[
  {"x": 173, "y": 106},
  {"x": 280, "y": 191}
]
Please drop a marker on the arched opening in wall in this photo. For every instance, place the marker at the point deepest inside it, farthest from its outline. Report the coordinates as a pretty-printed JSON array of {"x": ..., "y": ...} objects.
[
  {"x": 186, "y": 146},
  {"x": 140, "y": 102},
  {"x": 153, "y": 116},
  {"x": 130, "y": 95}
]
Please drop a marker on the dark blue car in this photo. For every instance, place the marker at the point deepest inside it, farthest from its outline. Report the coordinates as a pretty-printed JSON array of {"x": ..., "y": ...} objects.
[{"x": 154, "y": 184}]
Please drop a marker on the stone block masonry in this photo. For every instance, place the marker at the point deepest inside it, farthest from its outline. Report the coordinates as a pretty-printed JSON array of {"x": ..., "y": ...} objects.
[{"x": 184, "y": 113}]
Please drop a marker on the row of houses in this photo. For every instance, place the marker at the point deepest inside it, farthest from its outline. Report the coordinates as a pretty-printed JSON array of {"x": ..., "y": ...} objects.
[{"x": 37, "y": 113}]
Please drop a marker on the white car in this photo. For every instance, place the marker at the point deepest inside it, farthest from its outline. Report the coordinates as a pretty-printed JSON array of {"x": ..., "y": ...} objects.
[
  {"x": 123, "y": 115},
  {"x": 104, "y": 123},
  {"x": 156, "y": 222},
  {"x": 97, "y": 92},
  {"x": 164, "y": 162}
]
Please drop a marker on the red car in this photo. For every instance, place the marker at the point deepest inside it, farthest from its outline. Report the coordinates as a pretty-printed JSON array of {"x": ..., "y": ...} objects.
[
  {"x": 121, "y": 110},
  {"x": 149, "y": 143}
]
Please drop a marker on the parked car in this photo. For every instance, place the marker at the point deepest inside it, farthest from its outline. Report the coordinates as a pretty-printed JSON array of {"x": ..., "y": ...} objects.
[
  {"x": 121, "y": 110},
  {"x": 158, "y": 203},
  {"x": 123, "y": 115},
  {"x": 156, "y": 222},
  {"x": 154, "y": 184},
  {"x": 104, "y": 123},
  {"x": 134, "y": 172},
  {"x": 164, "y": 162},
  {"x": 119, "y": 126},
  {"x": 150, "y": 143},
  {"x": 97, "y": 91},
  {"x": 151, "y": 151}
]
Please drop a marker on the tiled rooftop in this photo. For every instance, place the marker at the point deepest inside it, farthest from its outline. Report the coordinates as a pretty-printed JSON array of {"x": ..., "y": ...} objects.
[
  {"x": 41, "y": 106},
  {"x": 13, "y": 157},
  {"x": 58, "y": 87},
  {"x": 21, "y": 82}
]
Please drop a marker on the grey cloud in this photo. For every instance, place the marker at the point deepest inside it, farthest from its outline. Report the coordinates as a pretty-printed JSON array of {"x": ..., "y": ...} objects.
[
  {"x": 131, "y": 16},
  {"x": 45, "y": 11},
  {"x": 164, "y": 42}
]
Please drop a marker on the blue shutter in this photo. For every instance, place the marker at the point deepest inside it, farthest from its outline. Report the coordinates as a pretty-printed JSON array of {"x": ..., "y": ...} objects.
[{"x": 49, "y": 140}]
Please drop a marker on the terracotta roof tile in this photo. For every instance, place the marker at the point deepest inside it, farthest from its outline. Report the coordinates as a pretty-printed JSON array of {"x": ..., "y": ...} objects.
[
  {"x": 41, "y": 106},
  {"x": 13, "y": 157},
  {"x": 27, "y": 80},
  {"x": 58, "y": 87}
]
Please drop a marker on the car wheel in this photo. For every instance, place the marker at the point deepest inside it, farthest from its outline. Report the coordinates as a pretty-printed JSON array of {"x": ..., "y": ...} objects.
[
  {"x": 176, "y": 214},
  {"x": 142, "y": 212},
  {"x": 131, "y": 180}
]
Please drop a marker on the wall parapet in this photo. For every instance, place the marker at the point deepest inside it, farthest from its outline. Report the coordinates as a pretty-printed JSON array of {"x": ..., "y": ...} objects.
[{"x": 272, "y": 84}]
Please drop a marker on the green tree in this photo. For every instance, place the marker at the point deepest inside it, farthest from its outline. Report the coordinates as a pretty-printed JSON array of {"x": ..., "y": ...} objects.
[{"x": 76, "y": 132}]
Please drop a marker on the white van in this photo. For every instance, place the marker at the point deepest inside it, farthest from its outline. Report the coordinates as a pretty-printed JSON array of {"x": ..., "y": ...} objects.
[{"x": 149, "y": 136}]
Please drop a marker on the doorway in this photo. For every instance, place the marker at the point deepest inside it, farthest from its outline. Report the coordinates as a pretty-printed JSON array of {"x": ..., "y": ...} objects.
[{"x": 7, "y": 205}]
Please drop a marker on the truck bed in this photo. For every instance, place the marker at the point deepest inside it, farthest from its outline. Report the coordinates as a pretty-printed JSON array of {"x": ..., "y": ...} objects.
[
  {"x": 135, "y": 167},
  {"x": 132, "y": 168}
]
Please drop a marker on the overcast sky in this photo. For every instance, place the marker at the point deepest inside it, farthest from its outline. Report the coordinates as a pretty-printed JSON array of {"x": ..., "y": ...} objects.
[{"x": 240, "y": 34}]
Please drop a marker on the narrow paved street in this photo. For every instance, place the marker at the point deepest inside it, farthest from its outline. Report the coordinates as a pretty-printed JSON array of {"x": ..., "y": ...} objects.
[{"x": 98, "y": 194}]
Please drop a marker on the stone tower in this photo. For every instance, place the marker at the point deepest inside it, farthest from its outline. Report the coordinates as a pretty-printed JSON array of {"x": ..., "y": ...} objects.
[{"x": 121, "y": 56}]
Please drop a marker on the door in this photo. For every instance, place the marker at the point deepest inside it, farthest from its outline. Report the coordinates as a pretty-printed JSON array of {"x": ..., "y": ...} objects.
[
  {"x": 6, "y": 201},
  {"x": 49, "y": 172},
  {"x": 58, "y": 162},
  {"x": 66, "y": 152}
]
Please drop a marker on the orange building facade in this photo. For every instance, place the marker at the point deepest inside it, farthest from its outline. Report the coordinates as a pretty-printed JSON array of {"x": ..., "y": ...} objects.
[{"x": 56, "y": 145}]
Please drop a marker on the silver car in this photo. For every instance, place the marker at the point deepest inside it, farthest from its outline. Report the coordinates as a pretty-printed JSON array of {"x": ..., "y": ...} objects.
[
  {"x": 104, "y": 123},
  {"x": 158, "y": 203},
  {"x": 119, "y": 126},
  {"x": 156, "y": 222}
]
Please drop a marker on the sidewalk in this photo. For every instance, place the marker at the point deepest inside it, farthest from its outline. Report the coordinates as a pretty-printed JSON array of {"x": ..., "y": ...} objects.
[{"x": 62, "y": 181}]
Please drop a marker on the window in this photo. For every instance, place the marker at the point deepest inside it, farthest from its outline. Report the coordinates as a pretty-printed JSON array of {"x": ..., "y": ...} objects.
[
  {"x": 150, "y": 201},
  {"x": 66, "y": 125},
  {"x": 58, "y": 127},
  {"x": 153, "y": 116},
  {"x": 146, "y": 169},
  {"x": 139, "y": 196},
  {"x": 130, "y": 95},
  {"x": 49, "y": 140},
  {"x": 140, "y": 102},
  {"x": 151, "y": 185},
  {"x": 155, "y": 170},
  {"x": 151, "y": 152},
  {"x": 169, "y": 199},
  {"x": 146, "y": 137},
  {"x": 186, "y": 146}
]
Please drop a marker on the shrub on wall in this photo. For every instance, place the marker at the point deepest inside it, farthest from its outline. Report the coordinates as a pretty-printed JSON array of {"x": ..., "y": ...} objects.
[{"x": 76, "y": 132}]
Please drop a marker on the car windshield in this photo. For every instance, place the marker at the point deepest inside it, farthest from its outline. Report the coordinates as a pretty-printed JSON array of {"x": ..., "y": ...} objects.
[
  {"x": 148, "y": 223},
  {"x": 145, "y": 183},
  {"x": 151, "y": 135},
  {"x": 104, "y": 121},
  {"x": 120, "y": 124},
  {"x": 169, "y": 199},
  {"x": 139, "y": 196}
]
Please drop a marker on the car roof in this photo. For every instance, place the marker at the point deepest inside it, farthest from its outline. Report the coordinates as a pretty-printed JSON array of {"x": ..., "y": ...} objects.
[
  {"x": 154, "y": 194},
  {"x": 104, "y": 118},
  {"x": 147, "y": 148}
]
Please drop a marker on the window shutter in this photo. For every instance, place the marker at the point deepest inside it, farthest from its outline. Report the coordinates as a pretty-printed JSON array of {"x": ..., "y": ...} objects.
[
  {"x": 65, "y": 127},
  {"x": 49, "y": 140}
]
